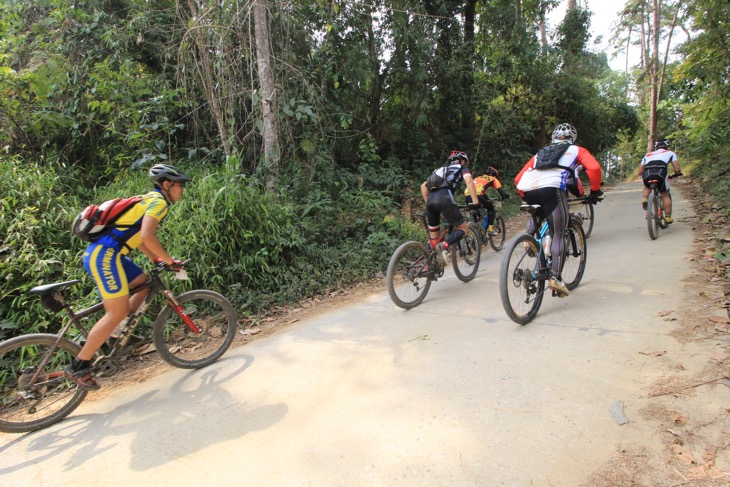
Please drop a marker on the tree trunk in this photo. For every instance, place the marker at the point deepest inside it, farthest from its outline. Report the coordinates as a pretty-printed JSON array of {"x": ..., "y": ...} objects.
[
  {"x": 207, "y": 76},
  {"x": 666, "y": 52},
  {"x": 654, "y": 70},
  {"x": 543, "y": 31},
  {"x": 269, "y": 106},
  {"x": 571, "y": 5}
]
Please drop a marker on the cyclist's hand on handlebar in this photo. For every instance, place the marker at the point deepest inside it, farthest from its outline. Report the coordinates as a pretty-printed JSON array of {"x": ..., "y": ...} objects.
[
  {"x": 594, "y": 197},
  {"x": 176, "y": 264},
  {"x": 675, "y": 175},
  {"x": 474, "y": 206}
]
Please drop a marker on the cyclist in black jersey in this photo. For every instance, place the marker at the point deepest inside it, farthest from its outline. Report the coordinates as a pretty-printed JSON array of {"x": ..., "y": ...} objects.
[{"x": 438, "y": 193}]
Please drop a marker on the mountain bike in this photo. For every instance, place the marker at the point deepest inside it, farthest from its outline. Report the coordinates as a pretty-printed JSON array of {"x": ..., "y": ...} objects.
[
  {"x": 414, "y": 266},
  {"x": 479, "y": 216},
  {"x": 525, "y": 267},
  {"x": 655, "y": 208},
  {"x": 191, "y": 331}
]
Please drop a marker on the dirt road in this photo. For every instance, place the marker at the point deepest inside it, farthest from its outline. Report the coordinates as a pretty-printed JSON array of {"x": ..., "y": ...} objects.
[{"x": 450, "y": 393}]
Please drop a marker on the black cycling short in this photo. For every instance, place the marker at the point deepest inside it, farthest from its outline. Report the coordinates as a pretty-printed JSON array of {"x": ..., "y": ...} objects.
[
  {"x": 655, "y": 173},
  {"x": 442, "y": 202}
]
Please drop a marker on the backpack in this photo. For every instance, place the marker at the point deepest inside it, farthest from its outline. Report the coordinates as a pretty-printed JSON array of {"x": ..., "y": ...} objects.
[
  {"x": 437, "y": 179},
  {"x": 97, "y": 220},
  {"x": 550, "y": 155}
]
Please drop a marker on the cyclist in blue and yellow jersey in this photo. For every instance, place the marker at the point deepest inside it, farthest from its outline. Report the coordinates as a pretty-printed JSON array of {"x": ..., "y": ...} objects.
[
  {"x": 482, "y": 184},
  {"x": 114, "y": 273}
]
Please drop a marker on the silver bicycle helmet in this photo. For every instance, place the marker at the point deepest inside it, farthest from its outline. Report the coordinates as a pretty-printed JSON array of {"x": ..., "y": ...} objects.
[{"x": 165, "y": 172}]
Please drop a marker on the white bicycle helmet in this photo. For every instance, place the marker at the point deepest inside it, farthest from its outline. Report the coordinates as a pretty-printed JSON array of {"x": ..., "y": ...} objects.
[{"x": 564, "y": 132}]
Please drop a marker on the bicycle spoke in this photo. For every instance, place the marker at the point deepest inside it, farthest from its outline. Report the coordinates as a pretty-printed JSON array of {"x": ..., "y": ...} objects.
[
  {"x": 199, "y": 333},
  {"x": 27, "y": 404},
  {"x": 409, "y": 276},
  {"x": 520, "y": 283}
]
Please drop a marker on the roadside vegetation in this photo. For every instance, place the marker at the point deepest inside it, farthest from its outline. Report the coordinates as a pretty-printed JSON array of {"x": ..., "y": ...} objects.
[{"x": 306, "y": 157}]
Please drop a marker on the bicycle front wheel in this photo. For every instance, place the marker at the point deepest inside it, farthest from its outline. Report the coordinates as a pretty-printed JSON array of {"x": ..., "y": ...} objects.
[
  {"x": 466, "y": 254},
  {"x": 521, "y": 286},
  {"x": 34, "y": 393},
  {"x": 408, "y": 278},
  {"x": 587, "y": 214},
  {"x": 209, "y": 331},
  {"x": 500, "y": 231},
  {"x": 575, "y": 248},
  {"x": 652, "y": 217}
]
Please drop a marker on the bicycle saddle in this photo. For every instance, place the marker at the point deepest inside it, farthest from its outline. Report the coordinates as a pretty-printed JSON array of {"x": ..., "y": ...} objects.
[{"x": 49, "y": 288}]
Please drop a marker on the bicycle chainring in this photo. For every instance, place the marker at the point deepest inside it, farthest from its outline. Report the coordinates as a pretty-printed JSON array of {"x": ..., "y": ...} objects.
[{"x": 106, "y": 366}]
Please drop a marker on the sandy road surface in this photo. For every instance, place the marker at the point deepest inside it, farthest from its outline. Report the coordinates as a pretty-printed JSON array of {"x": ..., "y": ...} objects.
[{"x": 450, "y": 393}]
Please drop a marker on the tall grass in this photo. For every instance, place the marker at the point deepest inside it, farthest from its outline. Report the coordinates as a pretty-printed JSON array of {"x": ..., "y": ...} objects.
[{"x": 258, "y": 248}]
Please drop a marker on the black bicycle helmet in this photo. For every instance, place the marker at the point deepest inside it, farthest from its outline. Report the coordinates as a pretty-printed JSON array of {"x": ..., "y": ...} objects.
[
  {"x": 661, "y": 144},
  {"x": 165, "y": 172},
  {"x": 492, "y": 172},
  {"x": 457, "y": 155}
]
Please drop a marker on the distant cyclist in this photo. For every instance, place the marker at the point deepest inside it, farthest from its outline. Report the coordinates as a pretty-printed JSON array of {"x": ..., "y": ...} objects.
[
  {"x": 114, "y": 273},
  {"x": 654, "y": 165},
  {"x": 438, "y": 193},
  {"x": 544, "y": 181},
  {"x": 482, "y": 184}
]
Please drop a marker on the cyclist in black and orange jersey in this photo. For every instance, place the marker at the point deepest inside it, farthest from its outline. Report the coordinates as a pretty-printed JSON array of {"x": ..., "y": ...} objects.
[
  {"x": 438, "y": 193},
  {"x": 482, "y": 184},
  {"x": 114, "y": 273}
]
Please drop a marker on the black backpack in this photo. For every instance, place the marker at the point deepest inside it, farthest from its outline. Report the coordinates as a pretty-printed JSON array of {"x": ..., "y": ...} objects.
[
  {"x": 550, "y": 155},
  {"x": 437, "y": 179}
]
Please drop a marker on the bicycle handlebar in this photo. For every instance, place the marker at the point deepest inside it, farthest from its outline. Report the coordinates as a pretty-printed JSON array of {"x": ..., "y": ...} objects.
[{"x": 164, "y": 267}]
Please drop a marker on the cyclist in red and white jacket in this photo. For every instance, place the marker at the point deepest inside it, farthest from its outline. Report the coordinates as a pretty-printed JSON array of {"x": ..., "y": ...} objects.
[
  {"x": 654, "y": 165},
  {"x": 544, "y": 181}
]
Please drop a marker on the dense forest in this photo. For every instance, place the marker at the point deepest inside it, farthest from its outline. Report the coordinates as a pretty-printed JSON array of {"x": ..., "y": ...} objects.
[{"x": 307, "y": 125}]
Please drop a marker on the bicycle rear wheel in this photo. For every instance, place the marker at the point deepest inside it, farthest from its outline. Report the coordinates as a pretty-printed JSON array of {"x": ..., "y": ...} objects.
[
  {"x": 520, "y": 289},
  {"x": 27, "y": 405},
  {"x": 466, "y": 254},
  {"x": 500, "y": 232},
  {"x": 576, "y": 251},
  {"x": 652, "y": 217},
  {"x": 408, "y": 278},
  {"x": 181, "y": 346}
]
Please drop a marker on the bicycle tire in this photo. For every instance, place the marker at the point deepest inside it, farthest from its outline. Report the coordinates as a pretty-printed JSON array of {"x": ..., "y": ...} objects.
[
  {"x": 407, "y": 278},
  {"x": 652, "y": 217},
  {"x": 520, "y": 292},
  {"x": 24, "y": 408},
  {"x": 588, "y": 216},
  {"x": 576, "y": 253},
  {"x": 466, "y": 254},
  {"x": 660, "y": 220},
  {"x": 497, "y": 240},
  {"x": 179, "y": 346}
]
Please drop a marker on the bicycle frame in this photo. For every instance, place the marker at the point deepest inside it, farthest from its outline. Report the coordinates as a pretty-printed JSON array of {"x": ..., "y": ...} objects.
[{"x": 154, "y": 284}]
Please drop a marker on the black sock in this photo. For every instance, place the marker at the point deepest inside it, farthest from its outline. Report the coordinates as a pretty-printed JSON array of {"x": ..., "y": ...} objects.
[{"x": 79, "y": 364}]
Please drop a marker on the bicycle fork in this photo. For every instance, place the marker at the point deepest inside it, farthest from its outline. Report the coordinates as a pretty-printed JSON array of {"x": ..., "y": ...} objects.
[{"x": 181, "y": 311}]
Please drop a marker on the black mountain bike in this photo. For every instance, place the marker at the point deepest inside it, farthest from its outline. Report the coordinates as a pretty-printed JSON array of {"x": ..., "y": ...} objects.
[
  {"x": 525, "y": 266},
  {"x": 193, "y": 330},
  {"x": 413, "y": 266}
]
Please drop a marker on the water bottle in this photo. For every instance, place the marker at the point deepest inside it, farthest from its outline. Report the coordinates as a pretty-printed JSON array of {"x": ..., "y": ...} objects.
[
  {"x": 547, "y": 243},
  {"x": 485, "y": 222}
]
